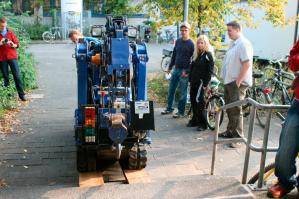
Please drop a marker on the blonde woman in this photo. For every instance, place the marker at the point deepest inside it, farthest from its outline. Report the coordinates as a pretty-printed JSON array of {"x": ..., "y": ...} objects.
[{"x": 202, "y": 68}]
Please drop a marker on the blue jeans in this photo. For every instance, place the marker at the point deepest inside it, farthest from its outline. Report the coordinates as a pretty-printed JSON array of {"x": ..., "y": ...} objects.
[
  {"x": 182, "y": 83},
  {"x": 14, "y": 67},
  {"x": 285, "y": 161}
]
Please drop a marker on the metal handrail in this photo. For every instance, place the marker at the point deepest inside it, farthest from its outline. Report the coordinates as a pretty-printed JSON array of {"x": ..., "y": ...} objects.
[{"x": 249, "y": 146}]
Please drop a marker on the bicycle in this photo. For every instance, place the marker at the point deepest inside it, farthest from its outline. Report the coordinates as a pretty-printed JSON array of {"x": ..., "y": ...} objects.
[
  {"x": 259, "y": 94},
  {"x": 277, "y": 91},
  {"x": 273, "y": 89},
  {"x": 53, "y": 34},
  {"x": 214, "y": 101},
  {"x": 278, "y": 88},
  {"x": 166, "y": 59}
]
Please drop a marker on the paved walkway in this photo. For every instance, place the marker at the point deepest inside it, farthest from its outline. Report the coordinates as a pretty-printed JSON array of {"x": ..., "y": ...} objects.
[{"x": 42, "y": 159}]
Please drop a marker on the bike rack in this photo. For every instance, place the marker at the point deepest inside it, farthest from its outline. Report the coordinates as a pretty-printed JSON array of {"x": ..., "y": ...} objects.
[{"x": 249, "y": 146}]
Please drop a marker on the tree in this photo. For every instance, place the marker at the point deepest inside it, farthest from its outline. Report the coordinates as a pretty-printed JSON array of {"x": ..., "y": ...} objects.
[
  {"x": 212, "y": 14},
  {"x": 118, "y": 7},
  {"x": 17, "y": 7}
]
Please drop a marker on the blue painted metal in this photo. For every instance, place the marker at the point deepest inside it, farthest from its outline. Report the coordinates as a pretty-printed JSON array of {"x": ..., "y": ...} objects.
[
  {"x": 82, "y": 71},
  {"x": 141, "y": 81},
  {"x": 139, "y": 60},
  {"x": 119, "y": 54},
  {"x": 107, "y": 86},
  {"x": 117, "y": 135}
]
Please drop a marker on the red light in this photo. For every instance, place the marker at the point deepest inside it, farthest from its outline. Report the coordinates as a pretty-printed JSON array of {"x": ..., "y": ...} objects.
[
  {"x": 90, "y": 116},
  {"x": 267, "y": 90}
]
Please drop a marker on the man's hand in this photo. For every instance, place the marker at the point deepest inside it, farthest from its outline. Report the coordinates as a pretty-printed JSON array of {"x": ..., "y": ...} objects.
[
  {"x": 244, "y": 69},
  {"x": 11, "y": 44},
  {"x": 2, "y": 41},
  {"x": 238, "y": 83}
]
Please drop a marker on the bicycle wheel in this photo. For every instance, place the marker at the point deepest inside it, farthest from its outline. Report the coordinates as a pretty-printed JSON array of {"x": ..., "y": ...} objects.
[
  {"x": 212, "y": 105},
  {"x": 246, "y": 107},
  {"x": 165, "y": 63},
  {"x": 58, "y": 35},
  {"x": 261, "y": 98},
  {"x": 276, "y": 95},
  {"x": 47, "y": 37},
  {"x": 268, "y": 175}
]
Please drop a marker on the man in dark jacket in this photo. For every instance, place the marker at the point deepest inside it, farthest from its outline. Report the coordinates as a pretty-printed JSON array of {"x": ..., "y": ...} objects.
[
  {"x": 8, "y": 56},
  {"x": 181, "y": 59}
]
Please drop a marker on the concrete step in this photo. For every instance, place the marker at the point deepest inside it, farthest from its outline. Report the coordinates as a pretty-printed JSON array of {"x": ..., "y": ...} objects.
[{"x": 199, "y": 186}]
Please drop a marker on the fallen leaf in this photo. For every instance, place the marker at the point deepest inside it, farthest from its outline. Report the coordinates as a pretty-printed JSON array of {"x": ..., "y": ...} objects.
[{"x": 3, "y": 183}]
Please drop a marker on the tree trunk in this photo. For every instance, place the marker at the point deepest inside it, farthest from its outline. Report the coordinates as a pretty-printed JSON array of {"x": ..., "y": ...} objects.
[
  {"x": 199, "y": 22},
  {"x": 17, "y": 7}
]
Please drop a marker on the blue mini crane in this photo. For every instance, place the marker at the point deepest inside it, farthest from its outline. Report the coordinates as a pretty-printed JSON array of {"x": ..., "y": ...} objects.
[{"x": 113, "y": 119}]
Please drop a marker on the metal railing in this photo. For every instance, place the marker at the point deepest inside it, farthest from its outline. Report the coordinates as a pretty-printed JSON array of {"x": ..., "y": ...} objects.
[{"x": 249, "y": 146}]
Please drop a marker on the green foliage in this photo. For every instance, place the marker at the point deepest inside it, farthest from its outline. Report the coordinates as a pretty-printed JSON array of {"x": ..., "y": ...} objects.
[
  {"x": 119, "y": 7},
  {"x": 26, "y": 62},
  {"x": 35, "y": 31},
  {"x": 28, "y": 71},
  {"x": 7, "y": 97},
  {"x": 213, "y": 14},
  {"x": 158, "y": 89},
  {"x": 153, "y": 25}
]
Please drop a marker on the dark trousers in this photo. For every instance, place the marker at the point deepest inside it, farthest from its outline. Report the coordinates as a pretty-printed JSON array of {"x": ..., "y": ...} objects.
[
  {"x": 198, "y": 108},
  {"x": 14, "y": 67},
  {"x": 177, "y": 81},
  {"x": 285, "y": 161},
  {"x": 235, "y": 116}
]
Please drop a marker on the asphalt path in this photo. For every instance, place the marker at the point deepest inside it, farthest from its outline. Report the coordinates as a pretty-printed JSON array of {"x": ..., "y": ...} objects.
[{"x": 40, "y": 162}]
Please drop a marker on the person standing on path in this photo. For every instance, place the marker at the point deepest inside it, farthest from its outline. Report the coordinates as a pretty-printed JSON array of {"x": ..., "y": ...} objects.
[
  {"x": 8, "y": 57},
  {"x": 202, "y": 68},
  {"x": 181, "y": 59},
  {"x": 285, "y": 160},
  {"x": 237, "y": 76}
]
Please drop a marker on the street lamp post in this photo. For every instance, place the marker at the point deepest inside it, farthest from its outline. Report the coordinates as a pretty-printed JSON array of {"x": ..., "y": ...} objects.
[{"x": 186, "y": 8}]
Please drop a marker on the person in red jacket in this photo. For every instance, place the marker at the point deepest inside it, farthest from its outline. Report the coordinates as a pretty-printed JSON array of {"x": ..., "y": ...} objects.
[
  {"x": 285, "y": 160},
  {"x": 8, "y": 56}
]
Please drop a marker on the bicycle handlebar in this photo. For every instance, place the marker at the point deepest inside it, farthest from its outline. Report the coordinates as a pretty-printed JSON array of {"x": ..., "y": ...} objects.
[
  {"x": 279, "y": 72},
  {"x": 278, "y": 61}
]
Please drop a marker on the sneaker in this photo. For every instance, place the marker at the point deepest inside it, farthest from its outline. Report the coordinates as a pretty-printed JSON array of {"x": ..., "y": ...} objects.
[
  {"x": 226, "y": 134},
  {"x": 229, "y": 134},
  {"x": 235, "y": 145},
  {"x": 191, "y": 124},
  {"x": 166, "y": 112},
  {"x": 177, "y": 115},
  {"x": 23, "y": 98},
  {"x": 200, "y": 128},
  {"x": 277, "y": 191}
]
